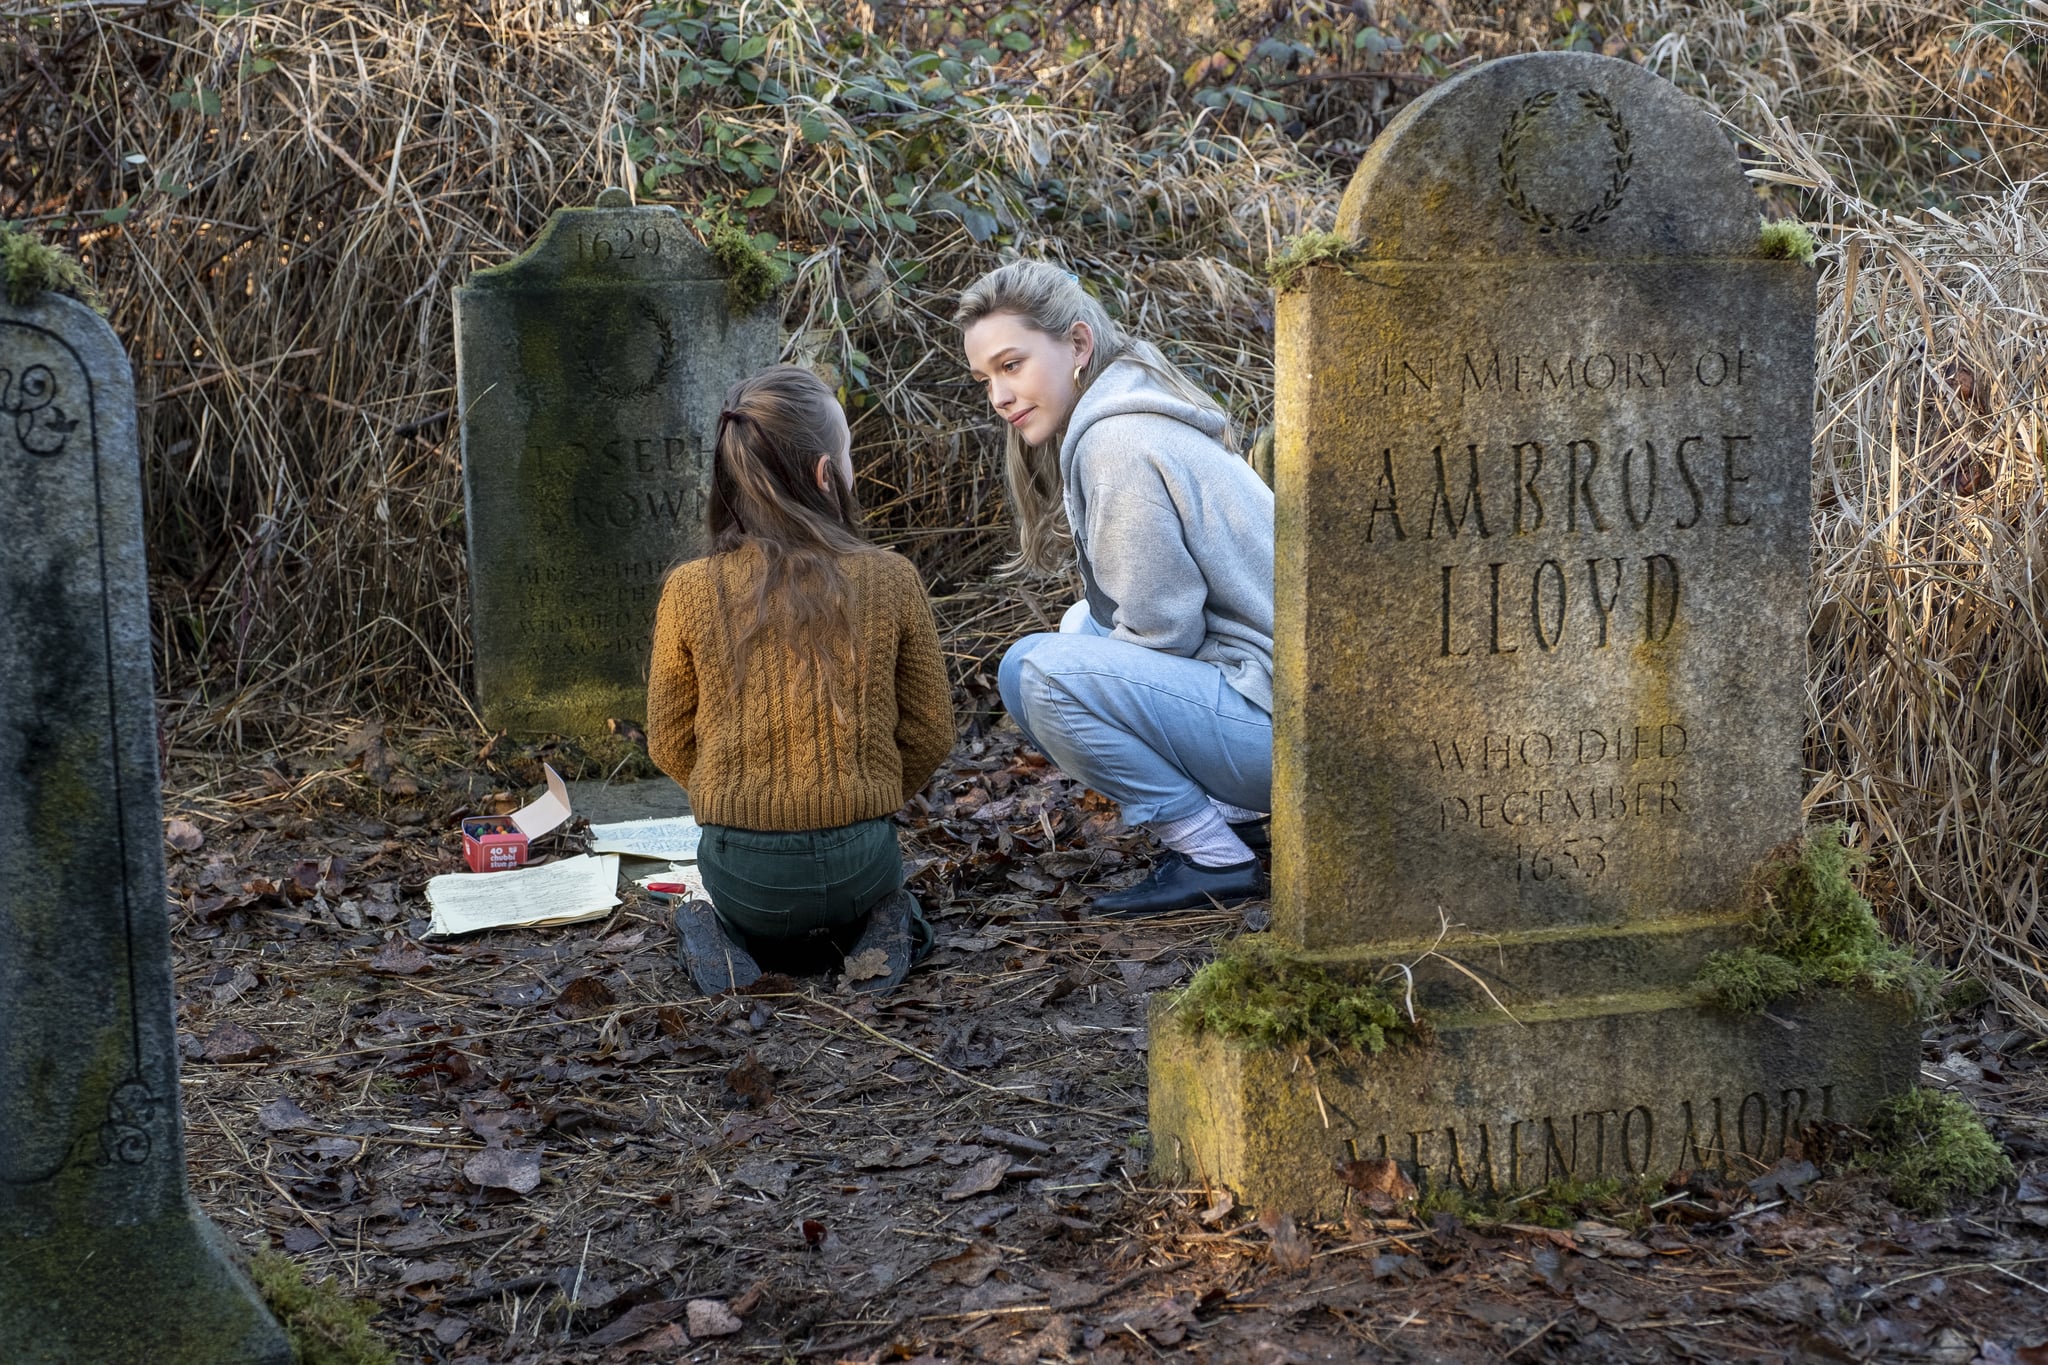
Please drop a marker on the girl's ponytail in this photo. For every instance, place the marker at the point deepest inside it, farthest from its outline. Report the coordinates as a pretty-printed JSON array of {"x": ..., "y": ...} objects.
[{"x": 772, "y": 430}]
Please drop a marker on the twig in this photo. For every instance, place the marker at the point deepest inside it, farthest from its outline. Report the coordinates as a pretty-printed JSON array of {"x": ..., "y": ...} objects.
[{"x": 932, "y": 1061}]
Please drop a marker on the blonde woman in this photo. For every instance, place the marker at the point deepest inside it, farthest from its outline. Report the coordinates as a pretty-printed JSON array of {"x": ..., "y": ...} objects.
[{"x": 1157, "y": 690}]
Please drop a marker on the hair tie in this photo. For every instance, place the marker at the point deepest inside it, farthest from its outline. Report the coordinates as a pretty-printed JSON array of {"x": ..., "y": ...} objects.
[{"x": 728, "y": 415}]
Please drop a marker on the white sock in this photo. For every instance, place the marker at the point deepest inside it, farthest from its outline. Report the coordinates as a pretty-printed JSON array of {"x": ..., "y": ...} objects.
[
  {"x": 1204, "y": 838},
  {"x": 1236, "y": 815}
]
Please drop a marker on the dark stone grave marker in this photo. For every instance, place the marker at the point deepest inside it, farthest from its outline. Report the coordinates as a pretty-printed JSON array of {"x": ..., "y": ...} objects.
[{"x": 103, "y": 1257}]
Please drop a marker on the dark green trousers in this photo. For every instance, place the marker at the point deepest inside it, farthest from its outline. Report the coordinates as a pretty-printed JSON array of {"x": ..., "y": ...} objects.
[{"x": 779, "y": 886}]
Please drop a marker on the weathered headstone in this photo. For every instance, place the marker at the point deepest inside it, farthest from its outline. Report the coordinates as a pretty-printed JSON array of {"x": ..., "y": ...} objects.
[
  {"x": 1542, "y": 495},
  {"x": 103, "y": 1257},
  {"x": 589, "y": 373}
]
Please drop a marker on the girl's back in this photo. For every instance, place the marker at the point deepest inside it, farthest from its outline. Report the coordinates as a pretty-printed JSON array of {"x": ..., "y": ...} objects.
[{"x": 768, "y": 735}]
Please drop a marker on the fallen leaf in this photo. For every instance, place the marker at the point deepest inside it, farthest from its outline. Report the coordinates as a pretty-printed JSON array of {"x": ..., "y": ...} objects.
[
  {"x": 183, "y": 835},
  {"x": 751, "y": 1082},
  {"x": 970, "y": 1267},
  {"x": 1166, "y": 1322},
  {"x": 892, "y": 1156},
  {"x": 301, "y": 1240},
  {"x": 959, "y": 1050},
  {"x": 1379, "y": 1182},
  {"x": 400, "y": 958},
  {"x": 871, "y": 965},
  {"x": 283, "y": 1115},
  {"x": 636, "y": 1320},
  {"x": 1221, "y": 1202},
  {"x": 1015, "y": 1142},
  {"x": 1290, "y": 1249},
  {"x": 662, "y": 1340},
  {"x": 768, "y": 1177},
  {"x": 584, "y": 995},
  {"x": 502, "y": 1168},
  {"x": 980, "y": 1178},
  {"x": 233, "y": 1043},
  {"x": 814, "y": 1233},
  {"x": 1786, "y": 1180},
  {"x": 423, "y": 1272},
  {"x": 711, "y": 1318}
]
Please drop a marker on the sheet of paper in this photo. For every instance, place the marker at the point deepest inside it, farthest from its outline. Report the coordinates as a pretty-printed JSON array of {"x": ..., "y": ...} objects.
[
  {"x": 547, "y": 810},
  {"x": 563, "y": 892},
  {"x": 671, "y": 838}
]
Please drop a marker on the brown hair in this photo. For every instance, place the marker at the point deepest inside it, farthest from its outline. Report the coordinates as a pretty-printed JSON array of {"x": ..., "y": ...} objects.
[
  {"x": 1052, "y": 300},
  {"x": 765, "y": 496}
]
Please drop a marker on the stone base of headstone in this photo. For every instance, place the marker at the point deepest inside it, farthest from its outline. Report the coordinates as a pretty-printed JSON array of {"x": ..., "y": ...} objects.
[
  {"x": 1567, "y": 1054},
  {"x": 1610, "y": 1084},
  {"x": 162, "y": 1292}
]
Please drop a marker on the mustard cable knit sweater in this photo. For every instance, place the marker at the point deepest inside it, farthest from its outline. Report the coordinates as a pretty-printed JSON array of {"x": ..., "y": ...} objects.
[{"x": 778, "y": 758}]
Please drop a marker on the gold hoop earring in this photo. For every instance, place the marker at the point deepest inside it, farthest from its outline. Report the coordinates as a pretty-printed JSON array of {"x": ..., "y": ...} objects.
[{"x": 1077, "y": 375}]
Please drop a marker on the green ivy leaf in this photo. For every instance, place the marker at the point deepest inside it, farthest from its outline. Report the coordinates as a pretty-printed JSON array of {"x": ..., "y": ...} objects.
[{"x": 756, "y": 198}]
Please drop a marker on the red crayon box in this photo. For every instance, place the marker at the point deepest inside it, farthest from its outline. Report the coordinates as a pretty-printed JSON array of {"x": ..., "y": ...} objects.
[{"x": 493, "y": 843}]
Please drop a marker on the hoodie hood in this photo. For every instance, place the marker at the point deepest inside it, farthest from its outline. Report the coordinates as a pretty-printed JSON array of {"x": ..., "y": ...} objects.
[{"x": 1123, "y": 387}]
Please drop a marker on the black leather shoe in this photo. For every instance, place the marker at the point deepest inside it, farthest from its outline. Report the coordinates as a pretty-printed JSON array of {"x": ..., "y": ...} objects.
[
  {"x": 1256, "y": 834},
  {"x": 1177, "y": 884},
  {"x": 888, "y": 928},
  {"x": 715, "y": 960}
]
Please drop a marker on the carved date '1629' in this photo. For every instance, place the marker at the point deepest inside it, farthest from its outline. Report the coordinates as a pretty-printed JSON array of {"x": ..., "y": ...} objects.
[{"x": 617, "y": 244}]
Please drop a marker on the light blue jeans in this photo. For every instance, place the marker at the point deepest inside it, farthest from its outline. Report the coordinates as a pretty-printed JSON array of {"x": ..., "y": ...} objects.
[{"x": 1157, "y": 733}]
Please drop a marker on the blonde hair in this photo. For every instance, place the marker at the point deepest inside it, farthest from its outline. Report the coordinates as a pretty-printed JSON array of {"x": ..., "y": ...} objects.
[{"x": 1052, "y": 301}]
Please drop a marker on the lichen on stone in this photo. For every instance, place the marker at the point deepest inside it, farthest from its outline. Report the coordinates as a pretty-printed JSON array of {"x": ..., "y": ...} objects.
[
  {"x": 1814, "y": 930},
  {"x": 1286, "y": 268},
  {"x": 326, "y": 1325},
  {"x": 33, "y": 267},
  {"x": 1787, "y": 239},
  {"x": 751, "y": 275},
  {"x": 1258, "y": 993},
  {"x": 1932, "y": 1150}
]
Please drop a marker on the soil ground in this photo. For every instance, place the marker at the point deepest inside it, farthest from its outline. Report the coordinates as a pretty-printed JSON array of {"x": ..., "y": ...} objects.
[{"x": 542, "y": 1145}]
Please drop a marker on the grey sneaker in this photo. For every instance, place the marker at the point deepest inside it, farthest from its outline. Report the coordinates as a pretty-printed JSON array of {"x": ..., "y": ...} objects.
[{"x": 715, "y": 961}]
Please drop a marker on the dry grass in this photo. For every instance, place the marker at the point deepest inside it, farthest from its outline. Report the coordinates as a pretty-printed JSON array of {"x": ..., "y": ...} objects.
[
  {"x": 277, "y": 202},
  {"x": 1929, "y": 699}
]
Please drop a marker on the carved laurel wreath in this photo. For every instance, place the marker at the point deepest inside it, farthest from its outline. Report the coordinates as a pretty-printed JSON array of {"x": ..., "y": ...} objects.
[
  {"x": 1517, "y": 131},
  {"x": 665, "y": 333}
]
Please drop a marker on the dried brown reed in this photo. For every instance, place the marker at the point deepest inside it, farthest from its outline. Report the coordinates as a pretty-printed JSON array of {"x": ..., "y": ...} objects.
[
  {"x": 279, "y": 200},
  {"x": 1929, "y": 683}
]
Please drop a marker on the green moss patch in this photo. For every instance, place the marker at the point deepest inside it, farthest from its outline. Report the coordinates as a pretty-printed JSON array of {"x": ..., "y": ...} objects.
[
  {"x": 1287, "y": 268},
  {"x": 1814, "y": 930},
  {"x": 751, "y": 275},
  {"x": 326, "y": 1326},
  {"x": 1932, "y": 1149},
  {"x": 1258, "y": 993},
  {"x": 1787, "y": 240},
  {"x": 33, "y": 267}
]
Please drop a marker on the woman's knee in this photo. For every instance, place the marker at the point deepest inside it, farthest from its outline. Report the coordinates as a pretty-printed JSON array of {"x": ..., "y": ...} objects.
[{"x": 1011, "y": 673}]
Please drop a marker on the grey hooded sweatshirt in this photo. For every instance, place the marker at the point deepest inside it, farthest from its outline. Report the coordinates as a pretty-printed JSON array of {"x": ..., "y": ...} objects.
[{"x": 1174, "y": 532}]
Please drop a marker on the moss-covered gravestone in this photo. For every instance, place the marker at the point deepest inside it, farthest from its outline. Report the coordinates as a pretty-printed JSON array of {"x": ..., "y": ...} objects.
[
  {"x": 103, "y": 1258},
  {"x": 589, "y": 373},
  {"x": 1544, "y": 428}
]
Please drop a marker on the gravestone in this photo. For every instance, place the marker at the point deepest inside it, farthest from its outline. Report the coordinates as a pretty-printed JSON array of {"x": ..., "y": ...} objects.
[
  {"x": 103, "y": 1257},
  {"x": 1542, "y": 503},
  {"x": 589, "y": 373}
]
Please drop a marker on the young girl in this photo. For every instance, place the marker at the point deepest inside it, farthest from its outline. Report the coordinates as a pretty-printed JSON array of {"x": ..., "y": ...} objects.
[
  {"x": 1158, "y": 688},
  {"x": 797, "y": 692}
]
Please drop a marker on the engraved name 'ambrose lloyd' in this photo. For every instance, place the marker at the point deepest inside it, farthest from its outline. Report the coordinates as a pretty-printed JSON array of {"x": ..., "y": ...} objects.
[{"x": 1663, "y": 484}]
